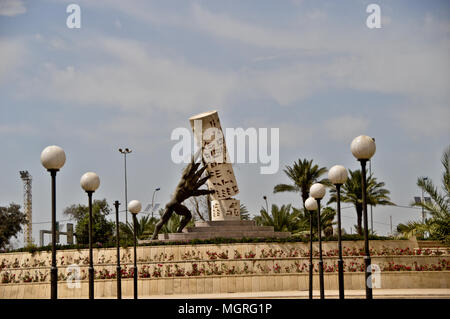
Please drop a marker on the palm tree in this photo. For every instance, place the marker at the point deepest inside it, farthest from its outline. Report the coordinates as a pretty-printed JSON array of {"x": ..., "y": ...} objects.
[
  {"x": 281, "y": 218},
  {"x": 302, "y": 174},
  {"x": 245, "y": 214},
  {"x": 327, "y": 215},
  {"x": 413, "y": 228},
  {"x": 351, "y": 192},
  {"x": 174, "y": 222},
  {"x": 145, "y": 226},
  {"x": 439, "y": 208}
]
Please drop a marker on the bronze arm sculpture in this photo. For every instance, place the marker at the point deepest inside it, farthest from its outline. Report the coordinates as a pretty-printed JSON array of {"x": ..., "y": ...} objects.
[{"x": 188, "y": 186}]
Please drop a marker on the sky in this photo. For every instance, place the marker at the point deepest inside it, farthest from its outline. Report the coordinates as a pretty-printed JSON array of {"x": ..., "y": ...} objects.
[{"x": 137, "y": 70}]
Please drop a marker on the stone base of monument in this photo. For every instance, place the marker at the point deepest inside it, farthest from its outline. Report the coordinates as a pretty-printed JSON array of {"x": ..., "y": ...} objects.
[{"x": 223, "y": 229}]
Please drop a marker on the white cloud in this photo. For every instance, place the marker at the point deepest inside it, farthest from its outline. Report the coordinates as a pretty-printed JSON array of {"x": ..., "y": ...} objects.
[
  {"x": 11, "y": 56},
  {"x": 316, "y": 15},
  {"x": 416, "y": 73},
  {"x": 224, "y": 26},
  {"x": 396, "y": 69},
  {"x": 294, "y": 135},
  {"x": 432, "y": 24},
  {"x": 297, "y": 2},
  {"x": 144, "y": 11},
  {"x": 136, "y": 80},
  {"x": 346, "y": 127},
  {"x": 12, "y": 8},
  {"x": 17, "y": 129},
  {"x": 398, "y": 63},
  {"x": 424, "y": 119},
  {"x": 285, "y": 84}
]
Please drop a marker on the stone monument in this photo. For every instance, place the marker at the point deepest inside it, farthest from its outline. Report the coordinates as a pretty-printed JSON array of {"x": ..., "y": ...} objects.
[
  {"x": 210, "y": 139},
  {"x": 222, "y": 186}
]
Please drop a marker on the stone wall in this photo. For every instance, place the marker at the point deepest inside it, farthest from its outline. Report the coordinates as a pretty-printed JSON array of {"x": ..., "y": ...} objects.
[
  {"x": 148, "y": 287},
  {"x": 154, "y": 253},
  {"x": 197, "y": 269}
]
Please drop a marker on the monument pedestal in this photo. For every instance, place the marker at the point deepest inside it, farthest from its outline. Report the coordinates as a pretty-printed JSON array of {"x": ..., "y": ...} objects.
[{"x": 223, "y": 229}]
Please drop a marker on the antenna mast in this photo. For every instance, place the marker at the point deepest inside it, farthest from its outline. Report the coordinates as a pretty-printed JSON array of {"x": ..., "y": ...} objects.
[{"x": 27, "y": 206}]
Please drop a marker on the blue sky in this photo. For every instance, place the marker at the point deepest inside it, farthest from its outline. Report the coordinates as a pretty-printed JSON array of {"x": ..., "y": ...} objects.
[{"x": 136, "y": 70}]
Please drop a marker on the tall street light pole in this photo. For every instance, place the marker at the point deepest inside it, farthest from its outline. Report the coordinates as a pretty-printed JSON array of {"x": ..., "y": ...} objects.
[
  {"x": 363, "y": 148},
  {"x": 135, "y": 207},
  {"x": 317, "y": 191},
  {"x": 311, "y": 205},
  {"x": 53, "y": 159},
  {"x": 125, "y": 152},
  {"x": 338, "y": 176},
  {"x": 90, "y": 183},
  {"x": 371, "y": 207},
  {"x": 118, "y": 269},
  {"x": 267, "y": 204}
]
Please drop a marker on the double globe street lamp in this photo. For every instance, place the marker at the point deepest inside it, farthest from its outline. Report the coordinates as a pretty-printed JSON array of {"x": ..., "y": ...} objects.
[
  {"x": 134, "y": 208},
  {"x": 338, "y": 176},
  {"x": 53, "y": 159},
  {"x": 90, "y": 182},
  {"x": 125, "y": 152},
  {"x": 310, "y": 205},
  {"x": 317, "y": 191},
  {"x": 363, "y": 148}
]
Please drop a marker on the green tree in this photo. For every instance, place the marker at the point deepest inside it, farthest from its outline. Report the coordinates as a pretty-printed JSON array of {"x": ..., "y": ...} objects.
[
  {"x": 174, "y": 222},
  {"x": 413, "y": 228},
  {"x": 438, "y": 224},
  {"x": 245, "y": 214},
  {"x": 351, "y": 192},
  {"x": 11, "y": 221},
  {"x": 327, "y": 215},
  {"x": 77, "y": 212},
  {"x": 145, "y": 227},
  {"x": 302, "y": 174},
  {"x": 102, "y": 229},
  {"x": 281, "y": 218}
]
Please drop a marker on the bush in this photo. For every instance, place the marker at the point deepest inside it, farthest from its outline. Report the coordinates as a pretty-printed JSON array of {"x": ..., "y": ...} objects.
[{"x": 214, "y": 241}]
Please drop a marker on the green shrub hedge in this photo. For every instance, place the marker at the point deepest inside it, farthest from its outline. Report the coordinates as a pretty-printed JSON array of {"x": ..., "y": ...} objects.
[{"x": 346, "y": 237}]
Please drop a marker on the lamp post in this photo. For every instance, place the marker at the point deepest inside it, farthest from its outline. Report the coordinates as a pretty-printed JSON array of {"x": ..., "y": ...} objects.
[
  {"x": 267, "y": 204},
  {"x": 53, "y": 159},
  {"x": 311, "y": 205},
  {"x": 363, "y": 147},
  {"x": 118, "y": 269},
  {"x": 338, "y": 176},
  {"x": 317, "y": 191},
  {"x": 90, "y": 182},
  {"x": 125, "y": 152},
  {"x": 135, "y": 207},
  {"x": 423, "y": 202},
  {"x": 371, "y": 208},
  {"x": 153, "y": 198}
]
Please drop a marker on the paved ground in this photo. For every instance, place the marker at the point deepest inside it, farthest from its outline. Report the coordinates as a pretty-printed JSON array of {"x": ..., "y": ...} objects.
[{"x": 350, "y": 294}]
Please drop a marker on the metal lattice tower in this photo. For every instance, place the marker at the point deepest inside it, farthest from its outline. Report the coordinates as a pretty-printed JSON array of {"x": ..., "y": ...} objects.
[{"x": 27, "y": 206}]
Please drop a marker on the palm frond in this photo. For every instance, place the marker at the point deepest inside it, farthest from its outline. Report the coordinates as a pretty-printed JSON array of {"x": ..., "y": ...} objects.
[
  {"x": 285, "y": 188},
  {"x": 303, "y": 174}
]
